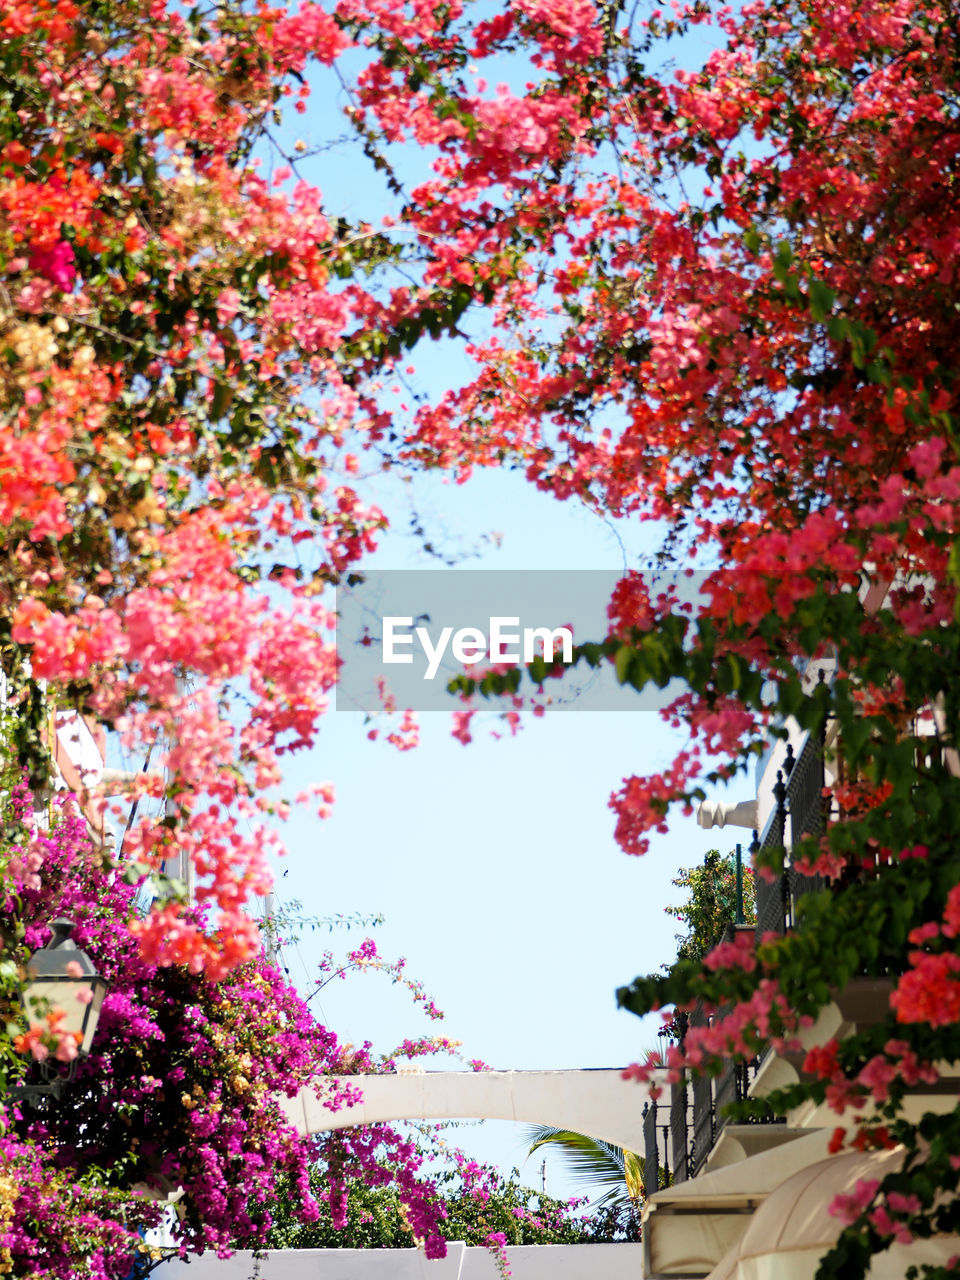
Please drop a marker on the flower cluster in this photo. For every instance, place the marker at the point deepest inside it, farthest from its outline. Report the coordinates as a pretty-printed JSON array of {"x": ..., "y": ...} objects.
[
  {"x": 763, "y": 369},
  {"x": 182, "y": 1090}
]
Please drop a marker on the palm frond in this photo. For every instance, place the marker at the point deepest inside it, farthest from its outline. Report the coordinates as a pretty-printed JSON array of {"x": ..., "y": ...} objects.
[{"x": 594, "y": 1162}]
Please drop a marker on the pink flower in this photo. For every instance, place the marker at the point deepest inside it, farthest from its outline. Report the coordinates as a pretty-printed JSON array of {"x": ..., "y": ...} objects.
[
  {"x": 461, "y": 729},
  {"x": 877, "y": 1076},
  {"x": 849, "y": 1207},
  {"x": 901, "y": 1203},
  {"x": 738, "y": 954},
  {"x": 55, "y": 264},
  {"x": 66, "y": 1049},
  {"x": 887, "y": 1226}
]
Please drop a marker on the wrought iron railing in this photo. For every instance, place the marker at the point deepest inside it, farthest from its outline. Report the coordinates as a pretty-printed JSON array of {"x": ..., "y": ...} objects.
[
  {"x": 701, "y": 1088},
  {"x": 799, "y": 797},
  {"x": 703, "y": 1123},
  {"x": 772, "y": 900},
  {"x": 808, "y": 815},
  {"x": 678, "y": 1132},
  {"x": 800, "y": 809},
  {"x": 651, "y": 1151},
  {"x": 711, "y": 1098},
  {"x": 656, "y": 1168},
  {"x": 730, "y": 1086}
]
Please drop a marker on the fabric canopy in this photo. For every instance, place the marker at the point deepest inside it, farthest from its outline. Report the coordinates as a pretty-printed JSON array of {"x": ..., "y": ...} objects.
[
  {"x": 687, "y": 1229},
  {"x": 793, "y": 1228}
]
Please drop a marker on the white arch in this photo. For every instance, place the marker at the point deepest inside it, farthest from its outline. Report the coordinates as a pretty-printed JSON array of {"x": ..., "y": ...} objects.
[{"x": 597, "y": 1102}]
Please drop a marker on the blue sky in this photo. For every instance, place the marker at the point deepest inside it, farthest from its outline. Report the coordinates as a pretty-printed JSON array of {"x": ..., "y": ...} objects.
[{"x": 494, "y": 864}]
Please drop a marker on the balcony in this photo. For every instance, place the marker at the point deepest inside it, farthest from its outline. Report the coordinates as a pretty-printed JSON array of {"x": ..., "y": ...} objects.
[
  {"x": 800, "y": 809},
  {"x": 699, "y": 1107}
]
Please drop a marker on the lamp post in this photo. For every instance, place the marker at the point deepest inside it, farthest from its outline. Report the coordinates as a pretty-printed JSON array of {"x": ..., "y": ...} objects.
[{"x": 61, "y": 978}]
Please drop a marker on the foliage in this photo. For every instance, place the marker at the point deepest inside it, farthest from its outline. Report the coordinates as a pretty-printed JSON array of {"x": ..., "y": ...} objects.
[
  {"x": 165, "y": 306},
  {"x": 601, "y": 1164},
  {"x": 750, "y": 276},
  {"x": 98, "y": 1237},
  {"x": 476, "y": 1203},
  {"x": 711, "y": 903},
  {"x": 751, "y": 280},
  {"x": 173, "y": 504},
  {"x": 722, "y": 299},
  {"x": 374, "y": 1221},
  {"x": 182, "y": 1089}
]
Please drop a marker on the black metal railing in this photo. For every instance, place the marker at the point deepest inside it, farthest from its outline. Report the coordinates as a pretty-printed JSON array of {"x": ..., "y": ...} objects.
[
  {"x": 704, "y": 1120},
  {"x": 800, "y": 798},
  {"x": 656, "y": 1169},
  {"x": 703, "y": 1123},
  {"x": 805, "y": 797},
  {"x": 730, "y": 1086},
  {"x": 808, "y": 816},
  {"x": 678, "y": 1131},
  {"x": 772, "y": 903},
  {"x": 651, "y": 1152},
  {"x": 733, "y": 1085},
  {"x": 800, "y": 809},
  {"x": 701, "y": 1088}
]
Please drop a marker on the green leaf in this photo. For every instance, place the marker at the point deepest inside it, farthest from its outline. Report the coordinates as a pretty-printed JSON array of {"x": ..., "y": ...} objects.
[
  {"x": 822, "y": 298},
  {"x": 622, "y": 662}
]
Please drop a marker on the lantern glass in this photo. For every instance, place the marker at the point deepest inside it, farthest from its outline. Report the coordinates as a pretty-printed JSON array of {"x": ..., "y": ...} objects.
[
  {"x": 63, "y": 979},
  {"x": 77, "y": 999}
]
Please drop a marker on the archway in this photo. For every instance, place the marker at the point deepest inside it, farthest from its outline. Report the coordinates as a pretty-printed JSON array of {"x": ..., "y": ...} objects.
[{"x": 598, "y": 1102}]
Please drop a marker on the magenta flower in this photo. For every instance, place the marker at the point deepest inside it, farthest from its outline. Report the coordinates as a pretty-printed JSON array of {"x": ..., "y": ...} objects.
[{"x": 55, "y": 264}]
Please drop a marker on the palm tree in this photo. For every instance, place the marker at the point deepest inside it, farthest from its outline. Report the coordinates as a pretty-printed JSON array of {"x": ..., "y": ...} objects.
[{"x": 600, "y": 1164}]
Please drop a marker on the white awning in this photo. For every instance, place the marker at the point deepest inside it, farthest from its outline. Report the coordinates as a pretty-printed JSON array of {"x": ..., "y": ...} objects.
[
  {"x": 793, "y": 1229},
  {"x": 687, "y": 1229},
  {"x": 767, "y": 1218}
]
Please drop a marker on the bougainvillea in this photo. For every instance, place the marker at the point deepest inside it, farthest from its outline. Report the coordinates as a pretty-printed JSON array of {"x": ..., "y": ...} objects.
[
  {"x": 165, "y": 306},
  {"x": 181, "y": 1094},
  {"x": 719, "y": 292},
  {"x": 731, "y": 311},
  {"x": 477, "y": 1200}
]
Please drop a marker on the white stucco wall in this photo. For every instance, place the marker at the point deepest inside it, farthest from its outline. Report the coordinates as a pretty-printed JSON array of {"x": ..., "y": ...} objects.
[
  {"x": 79, "y": 743},
  {"x": 527, "y": 1262}
]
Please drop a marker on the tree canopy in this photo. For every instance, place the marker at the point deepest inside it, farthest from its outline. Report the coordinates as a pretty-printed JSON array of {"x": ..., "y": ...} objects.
[
  {"x": 712, "y": 903},
  {"x": 719, "y": 295}
]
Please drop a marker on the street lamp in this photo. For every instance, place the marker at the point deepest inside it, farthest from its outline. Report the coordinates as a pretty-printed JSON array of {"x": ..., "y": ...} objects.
[{"x": 61, "y": 977}]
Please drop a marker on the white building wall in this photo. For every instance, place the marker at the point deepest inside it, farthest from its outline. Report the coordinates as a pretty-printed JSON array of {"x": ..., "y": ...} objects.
[
  {"x": 526, "y": 1262},
  {"x": 78, "y": 742}
]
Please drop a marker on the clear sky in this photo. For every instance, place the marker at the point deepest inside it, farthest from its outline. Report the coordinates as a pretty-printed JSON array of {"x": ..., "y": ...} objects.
[{"x": 493, "y": 863}]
